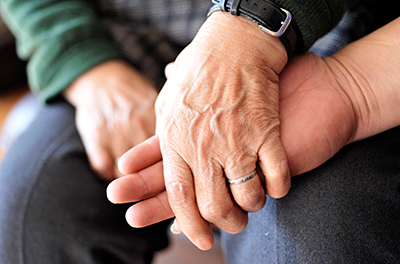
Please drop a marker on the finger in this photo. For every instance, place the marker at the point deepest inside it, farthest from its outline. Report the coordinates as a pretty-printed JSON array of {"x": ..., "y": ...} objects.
[
  {"x": 137, "y": 186},
  {"x": 150, "y": 211},
  {"x": 100, "y": 160},
  {"x": 119, "y": 144},
  {"x": 274, "y": 164},
  {"x": 215, "y": 202},
  {"x": 141, "y": 156},
  {"x": 181, "y": 196},
  {"x": 169, "y": 69},
  {"x": 247, "y": 190},
  {"x": 175, "y": 228}
]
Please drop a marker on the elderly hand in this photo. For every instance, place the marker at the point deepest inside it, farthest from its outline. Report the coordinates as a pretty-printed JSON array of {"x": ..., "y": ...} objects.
[
  {"x": 317, "y": 119},
  {"x": 325, "y": 104},
  {"x": 114, "y": 112},
  {"x": 217, "y": 118}
]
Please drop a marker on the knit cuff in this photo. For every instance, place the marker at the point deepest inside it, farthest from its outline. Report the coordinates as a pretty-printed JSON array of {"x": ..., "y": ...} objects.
[
  {"x": 72, "y": 63},
  {"x": 314, "y": 18}
]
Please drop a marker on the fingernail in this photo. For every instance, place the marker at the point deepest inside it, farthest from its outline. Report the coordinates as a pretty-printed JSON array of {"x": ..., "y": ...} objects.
[
  {"x": 204, "y": 243},
  {"x": 175, "y": 229}
]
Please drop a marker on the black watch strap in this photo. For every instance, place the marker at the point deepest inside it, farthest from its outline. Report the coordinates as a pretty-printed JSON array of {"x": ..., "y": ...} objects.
[{"x": 270, "y": 18}]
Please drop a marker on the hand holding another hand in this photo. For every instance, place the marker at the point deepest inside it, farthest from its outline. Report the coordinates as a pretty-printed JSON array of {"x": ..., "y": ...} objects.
[
  {"x": 312, "y": 106},
  {"x": 217, "y": 117},
  {"x": 324, "y": 105}
]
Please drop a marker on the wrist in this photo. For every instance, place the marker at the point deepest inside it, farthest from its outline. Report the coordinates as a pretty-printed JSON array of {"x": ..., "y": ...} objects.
[
  {"x": 242, "y": 36},
  {"x": 356, "y": 92},
  {"x": 269, "y": 17},
  {"x": 111, "y": 77}
]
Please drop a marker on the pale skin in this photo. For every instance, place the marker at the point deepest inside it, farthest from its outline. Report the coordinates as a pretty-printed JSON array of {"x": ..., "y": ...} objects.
[
  {"x": 324, "y": 104},
  {"x": 216, "y": 121},
  {"x": 114, "y": 112}
]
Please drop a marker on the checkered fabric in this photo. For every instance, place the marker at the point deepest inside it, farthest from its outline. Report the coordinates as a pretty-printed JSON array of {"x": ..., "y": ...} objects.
[
  {"x": 357, "y": 22},
  {"x": 151, "y": 33}
]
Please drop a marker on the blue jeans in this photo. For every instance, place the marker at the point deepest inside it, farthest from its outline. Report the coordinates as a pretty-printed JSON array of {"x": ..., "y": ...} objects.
[
  {"x": 53, "y": 208},
  {"x": 346, "y": 211}
]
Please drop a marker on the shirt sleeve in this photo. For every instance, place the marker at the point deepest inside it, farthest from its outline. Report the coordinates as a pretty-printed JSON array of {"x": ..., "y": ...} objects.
[
  {"x": 61, "y": 39},
  {"x": 314, "y": 18}
]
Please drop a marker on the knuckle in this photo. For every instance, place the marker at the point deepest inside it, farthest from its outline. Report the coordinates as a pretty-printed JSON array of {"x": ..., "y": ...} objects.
[
  {"x": 102, "y": 166},
  {"x": 247, "y": 159},
  {"x": 278, "y": 172},
  {"x": 178, "y": 191},
  {"x": 278, "y": 185},
  {"x": 224, "y": 216},
  {"x": 216, "y": 212},
  {"x": 236, "y": 224},
  {"x": 253, "y": 201}
]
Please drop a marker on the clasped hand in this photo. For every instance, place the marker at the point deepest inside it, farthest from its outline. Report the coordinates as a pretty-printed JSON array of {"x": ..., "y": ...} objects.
[
  {"x": 325, "y": 103},
  {"x": 307, "y": 89},
  {"x": 217, "y": 119}
]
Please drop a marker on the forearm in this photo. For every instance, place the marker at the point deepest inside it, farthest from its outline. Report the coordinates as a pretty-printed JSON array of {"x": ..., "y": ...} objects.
[
  {"x": 61, "y": 39},
  {"x": 369, "y": 73}
]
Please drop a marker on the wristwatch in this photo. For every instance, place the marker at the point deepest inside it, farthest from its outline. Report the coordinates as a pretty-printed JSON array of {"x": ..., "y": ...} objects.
[{"x": 270, "y": 18}]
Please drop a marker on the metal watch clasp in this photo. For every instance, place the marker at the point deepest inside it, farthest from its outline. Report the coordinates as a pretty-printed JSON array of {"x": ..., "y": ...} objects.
[{"x": 282, "y": 29}]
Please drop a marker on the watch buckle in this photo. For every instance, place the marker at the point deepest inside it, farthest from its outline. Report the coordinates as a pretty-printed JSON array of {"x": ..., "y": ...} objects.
[{"x": 282, "y": 29}]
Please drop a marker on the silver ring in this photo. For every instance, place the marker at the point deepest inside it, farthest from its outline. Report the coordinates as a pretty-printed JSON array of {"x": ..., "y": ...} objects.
[{"x": 243, "y": 179}]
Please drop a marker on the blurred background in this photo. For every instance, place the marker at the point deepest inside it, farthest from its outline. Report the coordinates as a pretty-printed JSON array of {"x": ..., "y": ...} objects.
[
  {"x": 12, "y": 70},
  {"x": 12, "y": 79}
]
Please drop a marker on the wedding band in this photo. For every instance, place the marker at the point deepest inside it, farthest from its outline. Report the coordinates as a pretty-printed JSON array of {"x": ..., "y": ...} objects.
[{"x": 243, "y": 179}]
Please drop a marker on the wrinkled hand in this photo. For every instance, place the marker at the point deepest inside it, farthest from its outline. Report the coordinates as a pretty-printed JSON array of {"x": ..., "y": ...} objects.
[
  {"x": 114, "y": 112},
  {"x": 217, "y": 117},
  {"x": 325, "y": 104},
  {"x": 317, "y": 119}
]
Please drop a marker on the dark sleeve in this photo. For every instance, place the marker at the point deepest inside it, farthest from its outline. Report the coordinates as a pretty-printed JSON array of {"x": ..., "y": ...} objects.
[{"x": 314, "y": 18}]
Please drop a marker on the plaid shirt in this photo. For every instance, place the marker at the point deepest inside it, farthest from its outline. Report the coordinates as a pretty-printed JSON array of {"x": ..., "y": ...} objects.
[
  {"x": 357, "y": 22},
  {"x": 151, "y": 33}
]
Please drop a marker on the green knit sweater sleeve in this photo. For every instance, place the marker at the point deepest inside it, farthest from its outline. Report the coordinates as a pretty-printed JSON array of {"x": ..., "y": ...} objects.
[
  {"x": 314, "y": 18},
  {"x": 61, "y": 39}
]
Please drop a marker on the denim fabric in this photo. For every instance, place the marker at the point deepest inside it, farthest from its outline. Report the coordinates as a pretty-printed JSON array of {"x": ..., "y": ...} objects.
[
  {"x": 346, "y": 211},
  {"x": 53, "y": 209}
]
